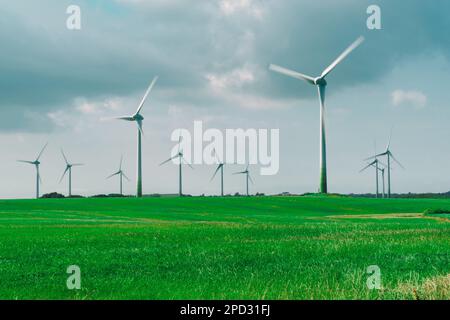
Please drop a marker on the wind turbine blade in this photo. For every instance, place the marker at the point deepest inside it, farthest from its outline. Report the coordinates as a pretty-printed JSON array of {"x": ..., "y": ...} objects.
[
  {"x": 366, "y": 167},
  {"x": 126, "y": 118},
  {"x": 146, "y": 95},
  {"x": 179, "y": 143},
  {"x": 243, "y": 172},
  {"x": 292, "y": 74},
  {"x": 217, "y": 157},
  {"x": 215, "y": 172},
  {"x": 65, "y": 171},
  {"x": 42, "y": 151},
  {"x": 139, "y": 124},
  {"x": 376, "y": 156},
  {"x": 250, "y": 178},
  {"x": 114, "y": 174},
  {"x": 396, "y": 160},
  {"x": 25, "y": 161},
  {"x": 123, "y": 174},
  {"x": 168, "y": 160},
  {"x": 390, "y": 138},
  {"x": 183, "y": 159},
  {"x": 77, "y": 164},
  {"x": 39, "y": 177},
  {"x": 343, "y": 55},
  {"x": 64, "y": 156}
]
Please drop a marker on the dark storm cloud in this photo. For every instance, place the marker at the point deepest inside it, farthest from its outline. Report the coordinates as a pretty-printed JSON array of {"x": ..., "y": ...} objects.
[{"x": 44, "y": 67}]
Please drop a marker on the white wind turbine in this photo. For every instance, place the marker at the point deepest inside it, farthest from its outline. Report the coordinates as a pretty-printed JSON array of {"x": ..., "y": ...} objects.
[
  {"x": 181, "y": 159},
  {"x": 247, "y": 178},
  {"x": 389, "y": 155},
  {"x": 121, "y": 175},
  {"x": 36, "y": 163},
  {"x": 321, "y": 84},
  {"x": 378, "y": 165},
  {"x": 220, "y": 167},
  {"x": 138, "y": 118},
  {"x": 68, "y": 170}
]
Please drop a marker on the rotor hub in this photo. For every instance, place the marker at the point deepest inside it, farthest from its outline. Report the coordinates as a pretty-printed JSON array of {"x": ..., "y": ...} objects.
[{"x": 320, "y": 81}]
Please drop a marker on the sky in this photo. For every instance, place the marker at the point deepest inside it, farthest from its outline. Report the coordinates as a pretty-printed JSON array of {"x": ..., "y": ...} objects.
[{"x": 63, "y": 86}]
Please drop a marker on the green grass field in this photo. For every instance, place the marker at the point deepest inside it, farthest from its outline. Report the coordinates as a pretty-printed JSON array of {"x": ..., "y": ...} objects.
[{"x": 224, "y": 248}]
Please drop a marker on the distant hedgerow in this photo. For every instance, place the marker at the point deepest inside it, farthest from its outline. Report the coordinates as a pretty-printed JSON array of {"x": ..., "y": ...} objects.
[{"x": 437, "y": 211}]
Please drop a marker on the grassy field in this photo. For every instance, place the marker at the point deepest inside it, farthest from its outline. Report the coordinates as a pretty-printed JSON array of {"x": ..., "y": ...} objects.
[{"x": 224, "y": 248}]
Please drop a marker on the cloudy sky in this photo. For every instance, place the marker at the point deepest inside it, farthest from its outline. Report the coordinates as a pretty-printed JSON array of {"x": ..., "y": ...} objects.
[{"x": 61, "y": 85}]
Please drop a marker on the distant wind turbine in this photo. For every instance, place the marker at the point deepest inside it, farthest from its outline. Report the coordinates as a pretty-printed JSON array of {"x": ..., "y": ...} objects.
[
  {"x": 220, "y": 167},
  {"x": 121, "y": 175},
  {"x": 247, "y": 178},
  {"x": 389, "y": 155},
  {"x": 181, "y": 159},
  {"x": 321, "y": 84},
  {"x": 36, "y": 163},
  {"x": 138, "y": 118},
  {"x": 68, "y": 170},
  {"x": 376, "y": 164}
]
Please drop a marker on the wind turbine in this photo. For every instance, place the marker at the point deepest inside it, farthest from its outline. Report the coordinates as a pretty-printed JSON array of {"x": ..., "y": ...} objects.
[
  {"x": 68, "y": 170},
  {"x": 219, "y": 167},
  {"x": 138, "y": 118},
  {"x": 36, "y": 163},
  {"x": 376, "y": 164},
  {"x": 389, "y": 155},
  {"x": 247, "y": 177},
  {"x": 121, "y": 175},
  {"x": 321, "y": 84},
  {"x": 181, "y": 159}
]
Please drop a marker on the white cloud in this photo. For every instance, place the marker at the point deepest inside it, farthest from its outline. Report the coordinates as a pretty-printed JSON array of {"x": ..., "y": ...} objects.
[
  {"x": 60, "y": 118},
  {"x": 229, "y": 7},
  {"x": 87, "y": 107},
  {"x": 416, "y": 99},
  {"x": 230, "y": 88},
  {"x": 236, "y": 78}
]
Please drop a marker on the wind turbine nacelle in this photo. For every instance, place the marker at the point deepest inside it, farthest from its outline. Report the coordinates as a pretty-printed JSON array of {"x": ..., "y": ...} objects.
[
  {"x": 320, "y": 81},
  {"x": 138, "y": 117}
]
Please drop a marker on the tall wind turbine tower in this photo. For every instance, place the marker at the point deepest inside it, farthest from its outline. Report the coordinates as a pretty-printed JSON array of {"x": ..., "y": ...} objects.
[
  {"x": 181, "y": 159},
  {"x": 220, "y": 167},
  {"x": 68, "y": 170},
  {"x": 247, "y": 178},
  {"x": 36, "y": 163},
  {"x": 321, "y": 84},
  {"x": 121, "y": 175},
  {"x": 138, "y": 118},
  {"x": 376, "y": 164}
]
